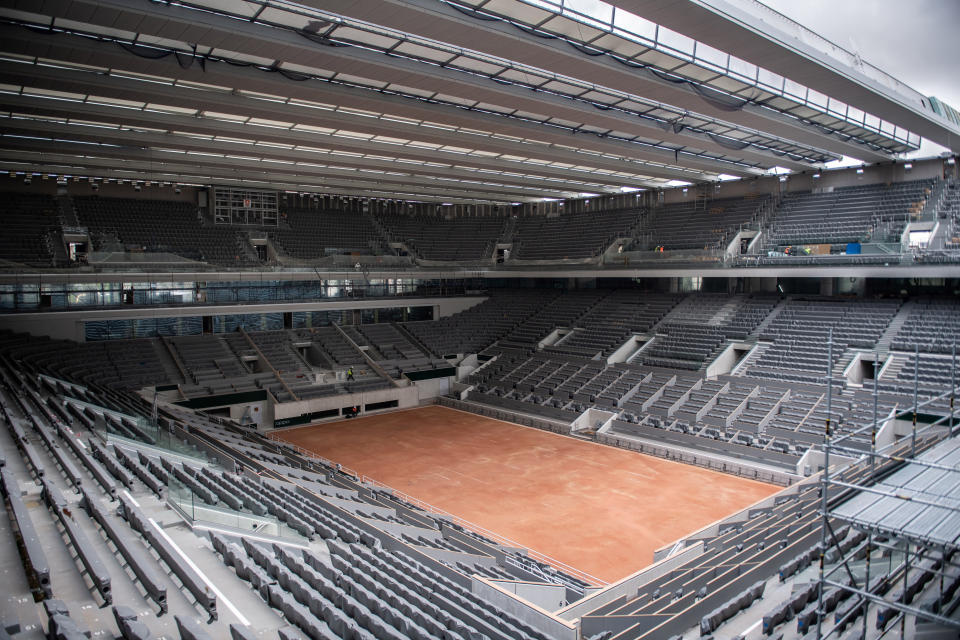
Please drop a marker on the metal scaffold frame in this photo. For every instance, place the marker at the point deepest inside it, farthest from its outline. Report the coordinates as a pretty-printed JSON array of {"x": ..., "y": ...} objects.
[{"x": 935, "y": 557}]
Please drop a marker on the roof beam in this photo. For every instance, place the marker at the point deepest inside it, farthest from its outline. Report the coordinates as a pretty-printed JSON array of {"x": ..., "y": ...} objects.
[
  {"x": 186, "y": 25},
  {"x": 775, "y": 44},
  {"x": 187, "y": 175},
  {"x": 206, "y": 126},
  {"x": 412, "y": 173},
  {"x": 80, "y": 154},
  {"x": 442, "y": 22},
  {"x": 139, "y": 171},
  {"x": 554, "y": 144}
]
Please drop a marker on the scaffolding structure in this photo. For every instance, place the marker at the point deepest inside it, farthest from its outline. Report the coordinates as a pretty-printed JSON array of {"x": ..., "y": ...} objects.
[{"x": 907, "y": 503}]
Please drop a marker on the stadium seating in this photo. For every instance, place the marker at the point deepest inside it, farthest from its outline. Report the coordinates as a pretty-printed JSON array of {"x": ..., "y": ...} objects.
[
  {"x": 309, "y": 234},
  {"x": 699, "y": 326},
  {"x": 571, "y": 236},
  {"x": 560, "y": 312},
  {"x": 874, "y": 213},
  {"x": 760, "y": 423},
  {"x": 437, "y": 238},
  {"x": 701, "y": 224},
  {"x": 610, "y": 321},
  {"x": 361, "y": 589},
  {"x": 172, "y": 226},
  {"x": 28, "y": 219},
  {"x": 933, "y": 325},
  {"x": 473, "y": 330},
  {"x": 397, "y": 353},
  {"x": 800, "y": 330}
]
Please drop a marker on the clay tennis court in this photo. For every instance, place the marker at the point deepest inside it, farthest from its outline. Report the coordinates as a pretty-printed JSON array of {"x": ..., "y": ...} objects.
[{"x": 599, "y": 509}]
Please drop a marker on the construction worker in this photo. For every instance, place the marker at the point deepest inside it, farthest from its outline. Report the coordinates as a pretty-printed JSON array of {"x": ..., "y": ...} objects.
[{"x": 350, "y": 373}]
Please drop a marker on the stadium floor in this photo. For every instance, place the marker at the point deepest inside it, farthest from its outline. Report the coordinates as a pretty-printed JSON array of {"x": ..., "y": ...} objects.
[{"x": 599, "y": 509}]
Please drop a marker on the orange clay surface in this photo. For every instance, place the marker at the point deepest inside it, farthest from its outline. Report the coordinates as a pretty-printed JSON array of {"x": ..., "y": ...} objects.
[{"x": 596, "y": 508}]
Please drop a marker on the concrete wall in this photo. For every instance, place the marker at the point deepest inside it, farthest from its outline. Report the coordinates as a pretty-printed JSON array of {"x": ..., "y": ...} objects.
[
  {"x": 625, "y": 351},
  {"x": 429, "y": 389},
  {"x": 261, "y": 413},
  {"x": 406, "y": 397},
  {"x": 550, "y": 625},
  {"x": 725, "y": 362},
  {"x": 467, "y": 366},
  {"x": 630, "y": 585},
  {"x": 544, "y": 595},
  {"x": 589, "y": 419},
  {"x": 813, "y": 460}
]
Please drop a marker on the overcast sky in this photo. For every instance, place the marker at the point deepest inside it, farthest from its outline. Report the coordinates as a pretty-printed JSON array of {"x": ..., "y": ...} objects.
[{"x": 915, "y": 41}]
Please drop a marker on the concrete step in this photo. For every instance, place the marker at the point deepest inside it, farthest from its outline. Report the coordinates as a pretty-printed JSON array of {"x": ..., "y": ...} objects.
[
  {"x": 726, "y": 311},
  {"x": 750, "y": 360},
  {"x": 895, "y": 325},
  {"x": 770, "y": 318}
]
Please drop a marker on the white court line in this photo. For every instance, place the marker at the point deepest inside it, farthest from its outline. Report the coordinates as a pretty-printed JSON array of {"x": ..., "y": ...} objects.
[{"x": 202, "y": 575}]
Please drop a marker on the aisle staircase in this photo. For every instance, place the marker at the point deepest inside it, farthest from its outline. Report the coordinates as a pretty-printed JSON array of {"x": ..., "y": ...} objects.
[
  {"x": 67, "y": 211},
  {"x": 892, "y": 370},
  {"x": 414, "y": 340},
  {"x": 886, "y": 339},
  {"x": 171, "y": 362},
  {"x": 509, "y": 229},
  {"x": 762, "y": 327},
  {"x": 725, "y": 312},
  {"x": 750, "y": 359},
  {"x": 844, "y": 361}
]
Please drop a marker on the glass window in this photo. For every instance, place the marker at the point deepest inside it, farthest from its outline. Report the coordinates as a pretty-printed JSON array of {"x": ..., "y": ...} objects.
[
  {"x": 675, "y": 41},
  {"x": 837, "y": 108},
  {"x": 712, "y": 57},
  {"x": 794, "y": 89},
  {"x": 635, "y": 25},
  {"x": 599, "y": 11},
  {"x": 769, "y": 79},
  {"x": 816, "y": 98}
]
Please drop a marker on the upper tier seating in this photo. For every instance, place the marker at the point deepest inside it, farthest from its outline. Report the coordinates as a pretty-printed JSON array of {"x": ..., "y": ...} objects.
[
  {"x": 437, "y": 238},
  {"x": 313, "y": 234},
  {"x": 847, "y": 214},
  {"x": 574, "y": 235},
  {"x": 171, "y": 226},
  {"x": 949, "y": 213},
  {"x": 27, "y": 218},
  {"x": 699, "y": 225}
]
